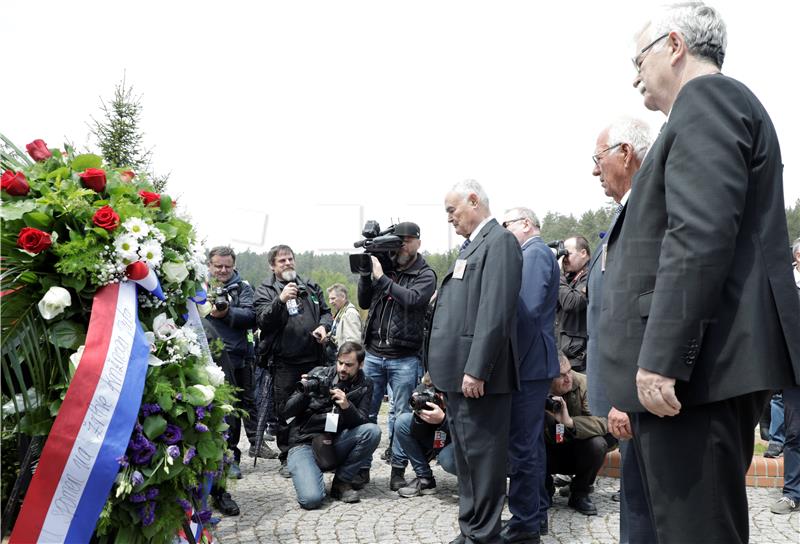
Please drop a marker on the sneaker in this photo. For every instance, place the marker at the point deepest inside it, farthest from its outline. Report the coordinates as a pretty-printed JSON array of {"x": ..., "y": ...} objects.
[
  {"x": 234, "y": 471},
  {"x": 397, "y": 479},
  {"x": 284, "y": 471},
  {"x": 265, "y": 452},
  {"x": 773, "y": 450},
  {"x": 784, "y": 505},
  {"x": 344, "y": 491},
  {"x": 226, "y": 504},
  {"x": 360, "y": 479},
  {"x": 418, "y": 486}
]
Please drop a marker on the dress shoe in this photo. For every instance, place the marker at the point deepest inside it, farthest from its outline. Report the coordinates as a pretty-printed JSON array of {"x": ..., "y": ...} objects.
[
  {"x": 773, "y": 450},
  {"x": 515, "y": 536},
  {"x": 583, "y": 504},
  {"x": 360, "y": 479},
  {"x": 226, "y": 504}
]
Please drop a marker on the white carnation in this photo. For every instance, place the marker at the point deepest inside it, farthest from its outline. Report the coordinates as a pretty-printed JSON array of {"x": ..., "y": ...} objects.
[{"x": 216, "y": 376}]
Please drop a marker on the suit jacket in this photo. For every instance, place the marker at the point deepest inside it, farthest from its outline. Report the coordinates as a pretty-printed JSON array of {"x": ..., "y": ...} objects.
[
  {"x": 697, "y": 285},
  {"x": 475, "y": 317},
  {"x": 598, "y": 401},
  {"x": 536, "y": 312}
]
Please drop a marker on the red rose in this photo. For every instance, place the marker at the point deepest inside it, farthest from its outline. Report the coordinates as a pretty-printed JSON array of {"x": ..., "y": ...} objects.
[
  {"x": 15, "y": 184},
  {"x": 127, "y": 176},
  {"x": 33, "y": 240},
  {"x": 94, "y": 179},
  {"x": 38, "y": 151},
  {"x": 149, "y": 198},
  {"x": 106, "y": 218}
]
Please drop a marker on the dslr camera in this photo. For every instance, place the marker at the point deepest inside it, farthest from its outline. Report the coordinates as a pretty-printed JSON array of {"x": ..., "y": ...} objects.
[
  {"x": 221, "y": 298},
  {"x": 557, "y": 246},
  {"x": 317, "y": 384},
  {"x": 383, "y": 244},
  {"x": 419, "y": 401},
  {"x": 552, "y": 405}
]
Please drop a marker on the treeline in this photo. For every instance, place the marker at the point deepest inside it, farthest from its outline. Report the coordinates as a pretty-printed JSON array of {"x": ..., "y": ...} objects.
[{"x": 335, "y": 268}]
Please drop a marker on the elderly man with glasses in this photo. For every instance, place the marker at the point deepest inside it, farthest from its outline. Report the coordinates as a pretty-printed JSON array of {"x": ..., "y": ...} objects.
[{"x": 699, "y": 310}]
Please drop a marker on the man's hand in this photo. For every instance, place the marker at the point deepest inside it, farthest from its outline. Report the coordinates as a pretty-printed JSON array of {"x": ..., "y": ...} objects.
[
  {"x": 319, "y": 334},
  {"x": 472, "y": 387},
  {"x": 219, "y": 314},
  {"x": 563, "y": 416},
  {"x": 377, "y": 269},
  {"x": 289, "y": 292},
  {"x": 657, "y": 393},
  {"x": 619, "y": 424},
  {"x": 340, "y": 398},
  {"x": 434, "y": 416}
]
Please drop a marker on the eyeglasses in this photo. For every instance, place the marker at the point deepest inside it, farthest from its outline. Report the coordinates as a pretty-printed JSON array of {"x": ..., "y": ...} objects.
[
  {"x": 596, "y": 156},
  {"x": 507, "y": 223},
  {"x": 639, "y": 59}
]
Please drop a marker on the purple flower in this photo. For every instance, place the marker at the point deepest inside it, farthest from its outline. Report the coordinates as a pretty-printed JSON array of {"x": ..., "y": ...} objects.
[
  {"x": 150, "y": 409},
  {"x": 137, "y": 478},
  {"x": 203, "y": 516},
  {"x": 173, "y": 451},
  {"x": 142, "y": 450},
  {"x": 179, "y": 397},
  {"x": 172, "y": 434},
  {"x": 151, "y": 493},
  {"x": 226, "y": 435},
  {"x": 186, "y": 505},
  {"x": 200, "y": 427},
  {"x": 147, "y": 513},
  {"x": 138, "y": 497},
  {"x": 122, "y": 460},
  {"x": 200, "y": 411},
  {"x": 189, "y": 454}
]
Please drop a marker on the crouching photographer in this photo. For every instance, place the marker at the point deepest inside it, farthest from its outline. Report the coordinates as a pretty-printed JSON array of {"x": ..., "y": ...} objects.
[
  {"x": 329, "y": 429},
  {"x": 419, "y": 436},
  {"x": 576, "y": 441}
]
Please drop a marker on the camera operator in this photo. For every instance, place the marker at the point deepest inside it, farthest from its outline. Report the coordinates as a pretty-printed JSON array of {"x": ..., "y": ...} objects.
[
  {"x": 294, "y": 321},
  {"x": 572, "y": 302},
  {"x": 576, "y": 441},
  {"x": 419, "y": 436},
  {"x": 329, "y": 428},
  {"x": 397, "y": 302}
]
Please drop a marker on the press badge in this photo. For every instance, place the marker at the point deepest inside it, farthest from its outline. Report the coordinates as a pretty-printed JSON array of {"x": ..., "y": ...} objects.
[
  {"x": 459, "y": 268},
  {"x": 439, "y": 439},
  {"x": 331, "y": 422}
]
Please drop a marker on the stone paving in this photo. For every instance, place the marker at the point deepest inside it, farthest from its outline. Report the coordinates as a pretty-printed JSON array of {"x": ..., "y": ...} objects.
[{"x": 270, "y": 514}]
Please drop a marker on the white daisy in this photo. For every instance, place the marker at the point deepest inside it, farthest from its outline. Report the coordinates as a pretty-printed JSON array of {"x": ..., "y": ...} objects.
[
  {"x": 151, "y": 252},
  {"x": 137, "y": 227},
  {"x": 126, "y": 247}
]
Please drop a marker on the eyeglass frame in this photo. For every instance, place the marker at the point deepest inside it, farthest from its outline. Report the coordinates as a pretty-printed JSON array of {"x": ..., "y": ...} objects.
[
  {"x": 639, "y": 59},
  {"x": 596, "y": 156},
  {"x": 505, "y": 224}
]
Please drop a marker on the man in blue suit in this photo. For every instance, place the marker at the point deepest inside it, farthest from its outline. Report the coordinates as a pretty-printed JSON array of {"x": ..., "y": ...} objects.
[{"x": 538, "y": 365}]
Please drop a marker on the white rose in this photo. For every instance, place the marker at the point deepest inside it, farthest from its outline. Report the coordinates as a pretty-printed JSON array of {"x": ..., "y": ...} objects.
[
  {"x": 216, "y": 376},
  {"x": 164, "y": 328},
  {"x": 54, "y": 302},
  {"x": 174, "y": 272},
  {"x": 207, "y": 391},
  {"x": 75, "y": 359}
]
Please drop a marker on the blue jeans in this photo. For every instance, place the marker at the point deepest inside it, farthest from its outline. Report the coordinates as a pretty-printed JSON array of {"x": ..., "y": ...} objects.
[
  {"x": 352, "y": 447},
  {"x": 791, "y": 447},
  {"x": 406, "y": 448},
  {"x": 776, "y": 429},
  {"x": 401, "y": 377}
]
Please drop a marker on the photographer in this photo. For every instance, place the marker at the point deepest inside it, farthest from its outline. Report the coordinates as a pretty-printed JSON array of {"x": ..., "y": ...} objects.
[
  {"x": 419, "y": 436},
  {"x": 397, "y": 302},
  {"x": 346, "y": 320},
  {"x": 576, "y": 441},
  {"x": 294, "y": 321},
  {"x": 573, "y": 300},
  {"x": 329, "y": 428}
]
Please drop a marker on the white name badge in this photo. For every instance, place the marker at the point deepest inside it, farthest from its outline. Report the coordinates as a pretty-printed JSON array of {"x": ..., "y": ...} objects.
[
  {"x": 459, "y": 269},
  {"x": 331, "y": 422}
]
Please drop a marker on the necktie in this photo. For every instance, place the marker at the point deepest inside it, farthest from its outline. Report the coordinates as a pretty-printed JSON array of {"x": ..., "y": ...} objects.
[
  {"x": 617, "y": 211},
  {"x": 465, "y": 244}
]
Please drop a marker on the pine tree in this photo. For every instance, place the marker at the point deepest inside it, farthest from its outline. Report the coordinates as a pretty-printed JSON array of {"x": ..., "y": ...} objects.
[{"x": 119, "y": 137}]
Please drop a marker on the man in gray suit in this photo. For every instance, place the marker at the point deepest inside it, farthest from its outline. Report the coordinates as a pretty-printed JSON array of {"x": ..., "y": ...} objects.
[
  {"x": 619, "y": 152},
  {"x": 471, "y": 357}
]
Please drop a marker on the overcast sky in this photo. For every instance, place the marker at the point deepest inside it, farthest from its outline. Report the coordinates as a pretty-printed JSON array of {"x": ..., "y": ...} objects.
[{"x": 292, "y": 122}]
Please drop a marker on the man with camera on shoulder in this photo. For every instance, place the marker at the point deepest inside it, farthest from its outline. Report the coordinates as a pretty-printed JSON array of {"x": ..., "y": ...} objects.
[
  {"x": 329, "y": 428},
  {"x": 397, "y": 301},
  {"x": 576, "y": 441},
  {"x": 420, "y": 436}
]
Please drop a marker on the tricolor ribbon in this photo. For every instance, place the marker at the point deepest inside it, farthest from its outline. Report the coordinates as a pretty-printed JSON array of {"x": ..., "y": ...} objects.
[
  {"x": 143, "y": 275},
  {"x": 79, "y": 461}
]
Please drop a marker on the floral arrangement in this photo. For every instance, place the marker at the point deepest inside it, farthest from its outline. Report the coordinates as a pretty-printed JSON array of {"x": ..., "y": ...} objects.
[{"x": 71, "y": 225}]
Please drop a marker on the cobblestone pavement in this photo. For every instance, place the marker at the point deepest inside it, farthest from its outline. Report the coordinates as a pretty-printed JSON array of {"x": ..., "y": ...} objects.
[{"x": 270, "y": 514}]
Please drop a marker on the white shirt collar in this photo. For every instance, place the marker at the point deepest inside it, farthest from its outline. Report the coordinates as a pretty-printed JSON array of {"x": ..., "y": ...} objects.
[
  {"x": 479, "y": 227},
  {"x": 624, "y": 198},
  {"x": 796, "y": 276}
]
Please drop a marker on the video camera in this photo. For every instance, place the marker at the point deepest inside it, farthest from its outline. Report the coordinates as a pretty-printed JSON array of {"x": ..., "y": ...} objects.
[
  {"x": 558, "y": 248},
  {"x": 317, "y": 384},
  {"x": 383, "y": 244}
]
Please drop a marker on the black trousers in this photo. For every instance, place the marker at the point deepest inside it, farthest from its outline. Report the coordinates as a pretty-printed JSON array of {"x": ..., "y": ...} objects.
[
  {"x": 580, "y": 458},
  {"x": 693, "y": 469},
  {"x": 284, "y": 381}
]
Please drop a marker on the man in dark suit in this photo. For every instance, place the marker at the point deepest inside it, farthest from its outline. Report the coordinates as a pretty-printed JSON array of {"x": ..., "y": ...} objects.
[
  {"x": 699, "y": 318},
  {"x": 471, "y": 357},
  {"x": 619, "y": 152},
  {"x": 538, "y": 365}
]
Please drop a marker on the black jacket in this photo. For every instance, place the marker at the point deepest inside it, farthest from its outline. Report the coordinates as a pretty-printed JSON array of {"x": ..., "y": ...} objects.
[
  {"x": 233, "y": 329},
  {"x": 287, "y": 344},
  {"x": 310, "y": 413},
  {"x": 397, "y": 308},
  {"x": 572, "y": 304}
]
